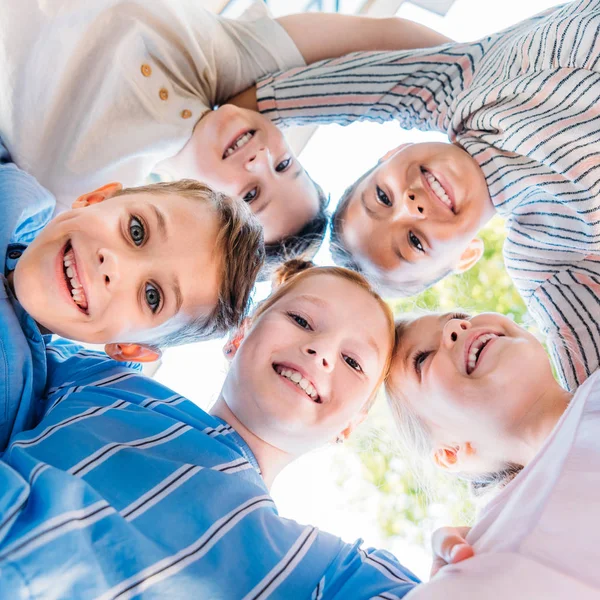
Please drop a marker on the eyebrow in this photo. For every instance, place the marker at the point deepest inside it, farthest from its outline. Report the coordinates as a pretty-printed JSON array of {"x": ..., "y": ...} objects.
[
  {"x": 177, "y": 292},
  {"x": 161, "y": 222},
  {"x": 314, "y": 300}
]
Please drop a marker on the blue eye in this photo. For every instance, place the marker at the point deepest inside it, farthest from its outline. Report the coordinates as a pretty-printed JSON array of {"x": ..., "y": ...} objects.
[
  {"x": 283, "y": 165},
  {"x": 415, "y": 242},
  {"x": 152, "y": 297},
  {"x": 353, "y": 363},
  {"x": 301, "y": 321},
  {"x": 382, "y": 197},
  {"x": 251, "y": 195},
  {"x": 137, "y": 232}
]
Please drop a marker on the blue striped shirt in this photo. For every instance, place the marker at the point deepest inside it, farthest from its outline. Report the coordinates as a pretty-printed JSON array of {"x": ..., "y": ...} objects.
[
  {"x": 127, "y": 490},
  {"x": 524, "y": 104}
]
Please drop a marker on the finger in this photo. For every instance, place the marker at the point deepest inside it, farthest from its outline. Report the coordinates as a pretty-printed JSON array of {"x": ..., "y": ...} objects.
[{"x": 444, "y": 541}]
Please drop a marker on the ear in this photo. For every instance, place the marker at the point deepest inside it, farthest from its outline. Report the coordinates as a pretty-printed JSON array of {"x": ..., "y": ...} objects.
[
  {"x": 99, "y": 195},
  {"x": 233, "y": 343},
  {"x": 393, "y": 151},
  {"x": 452, "y": 458},
  {"x": 132, "y": 353},
  {"x": 470, "y": 256},
  {"x": 347, "y": 432}
]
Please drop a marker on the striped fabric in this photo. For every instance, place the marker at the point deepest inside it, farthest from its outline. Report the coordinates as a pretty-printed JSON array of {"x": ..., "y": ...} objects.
[
  {"x": 127, "y": 490},
  {"x": 524, "y": 104}
]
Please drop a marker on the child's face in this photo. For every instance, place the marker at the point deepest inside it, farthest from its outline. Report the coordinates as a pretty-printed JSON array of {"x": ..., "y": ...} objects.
[
  {"x": 467, "y": 377},
  {"x": 416, "y": 215},
  {"x": 137, "y": 266},
  {"x": 244, "y": 155},
  {"x": 327, "y": 330}
]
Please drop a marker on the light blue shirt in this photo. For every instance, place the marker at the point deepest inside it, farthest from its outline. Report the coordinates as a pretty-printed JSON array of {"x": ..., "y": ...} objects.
[
  {"x": 25, "y": 208},
  {"x": 127, "y": 490}
]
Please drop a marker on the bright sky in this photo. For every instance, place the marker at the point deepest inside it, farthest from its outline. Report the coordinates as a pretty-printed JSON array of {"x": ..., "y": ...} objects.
[{"x": 308, "y": 491}]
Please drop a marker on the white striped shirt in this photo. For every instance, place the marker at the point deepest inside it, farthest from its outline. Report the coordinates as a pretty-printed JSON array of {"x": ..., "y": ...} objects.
[{"x": 524, "y": 104}]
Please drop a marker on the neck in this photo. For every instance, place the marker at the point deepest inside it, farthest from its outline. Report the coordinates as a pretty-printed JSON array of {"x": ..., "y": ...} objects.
[
  {"x": 271, "y": 460},
  {"x": 537, "y": 424}
]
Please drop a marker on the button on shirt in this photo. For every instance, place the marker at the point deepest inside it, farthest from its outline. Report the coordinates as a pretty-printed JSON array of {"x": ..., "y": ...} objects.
[
  {"x": 102, "y": 91},
  {"x": 125, "y": 489},
  {"x": 25, "y": 207}
]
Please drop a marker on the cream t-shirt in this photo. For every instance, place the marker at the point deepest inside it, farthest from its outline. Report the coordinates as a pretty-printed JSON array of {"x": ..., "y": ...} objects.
[
  {"x": 94, "y": 92},
  {"x": 539, "y": 538}
]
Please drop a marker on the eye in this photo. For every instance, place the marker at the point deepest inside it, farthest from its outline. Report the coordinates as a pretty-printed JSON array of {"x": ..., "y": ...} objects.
[
  {"x": 251, "y": 195},
  {"x": 353, "y": 363},
  {"x": 137, "y": 232},
  {"x": 283, "y": 165},
  {"x": 460, "y": 316},
  {"x": 382, "y": 197},
  {"x": 415, "y": 242},
  {"x": 419, "y": 359},
  {"x": 301, "y": 321},
  {"x": 152, "y": 297}
]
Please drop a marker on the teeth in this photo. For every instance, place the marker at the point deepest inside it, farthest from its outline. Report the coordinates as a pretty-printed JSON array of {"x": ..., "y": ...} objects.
[
  {"x": 71, "y": 272},
  {"x": 239, "y": 143},
  {"x": 438, "y": 189},
  {"x": 300, "y": 381},
  {"x": 475, "y": 350}
]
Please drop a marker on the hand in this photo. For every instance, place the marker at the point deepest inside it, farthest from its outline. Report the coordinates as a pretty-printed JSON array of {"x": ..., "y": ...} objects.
[{"x": 449, "y": 547}]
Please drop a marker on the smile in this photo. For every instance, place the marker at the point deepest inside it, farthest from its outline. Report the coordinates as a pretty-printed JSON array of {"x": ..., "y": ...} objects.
[
  {"x": 72, "y": 279},
  {"x": 475, "y": 350},
  {"x": 438, "y": 189},
  {"x": 299, "y": 380},
  {"x": 239, "y": 142}
]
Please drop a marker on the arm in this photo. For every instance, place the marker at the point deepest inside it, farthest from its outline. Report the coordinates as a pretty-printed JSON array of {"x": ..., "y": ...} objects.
[{"x": 323, "y": 35}]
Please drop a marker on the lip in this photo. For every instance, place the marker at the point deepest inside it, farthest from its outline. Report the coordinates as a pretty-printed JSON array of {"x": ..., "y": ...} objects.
[
  {"x": 470, "y": 341},
  {"x": 304, "y": 374},
  {"x": 60, "y": 275},
  {"x": 240, "y": 132},
  {"x": 447, "y": 188}
]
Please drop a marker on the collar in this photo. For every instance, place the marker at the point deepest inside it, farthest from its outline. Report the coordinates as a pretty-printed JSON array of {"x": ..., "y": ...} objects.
[
  {"x": 241, "y": 444},
  {"x": 13, "y": 254}
]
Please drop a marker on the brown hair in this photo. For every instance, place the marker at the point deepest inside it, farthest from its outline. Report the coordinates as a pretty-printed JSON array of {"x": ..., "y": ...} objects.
[
  {"x": 291, "y": 273},
  {"x": 416, "y": 440},
  {"x": 240, "y": 241}
]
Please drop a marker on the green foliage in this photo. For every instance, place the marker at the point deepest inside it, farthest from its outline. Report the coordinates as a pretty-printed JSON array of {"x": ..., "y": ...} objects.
[{"x": 404, "y": 509}]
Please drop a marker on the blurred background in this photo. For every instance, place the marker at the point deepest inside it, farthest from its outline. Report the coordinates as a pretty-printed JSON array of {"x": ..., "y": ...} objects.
[{"x": 364, "y": 488}]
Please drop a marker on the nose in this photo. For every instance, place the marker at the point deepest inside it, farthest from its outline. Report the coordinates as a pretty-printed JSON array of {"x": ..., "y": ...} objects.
[
  {"x": 412, "y": 205},
  {"x": 318, "y": 352},
  {"x": 258, "y": 160},
  {"x": 108, "y": 267},
  {"x": 453, "y": 330}
]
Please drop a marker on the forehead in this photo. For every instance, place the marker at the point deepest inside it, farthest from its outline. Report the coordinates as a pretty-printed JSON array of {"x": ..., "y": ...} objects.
[{"x": 289, "y": 202}]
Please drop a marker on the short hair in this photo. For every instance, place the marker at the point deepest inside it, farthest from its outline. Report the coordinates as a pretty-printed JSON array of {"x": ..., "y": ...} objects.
[
  {"x": 240, "y": 241},
  {"x": 303, "y": 244},
  {"x": 415, "y": 435},
  {"x": 343, "y": 257}
]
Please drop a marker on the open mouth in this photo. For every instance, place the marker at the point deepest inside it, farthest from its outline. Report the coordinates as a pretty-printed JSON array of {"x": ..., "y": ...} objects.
[
  {"x": 299, "y": 380},
  {"x": 72, "y": 279},
  {"x": 478, "y": 345},
  {"x": 239, "y": 142},
  {"x": 438, "y": 190}
]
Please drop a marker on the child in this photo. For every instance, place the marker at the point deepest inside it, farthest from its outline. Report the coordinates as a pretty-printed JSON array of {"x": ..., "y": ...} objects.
[
  {"x": 160, "y": 499},
  {"x": 155, "y": 266},
  {"x": 105, "y": 91},
  {"x": 520, "y": 108},
  {"x": 477, "y": 395}
]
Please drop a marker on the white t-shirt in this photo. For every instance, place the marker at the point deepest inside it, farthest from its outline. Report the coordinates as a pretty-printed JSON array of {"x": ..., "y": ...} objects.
[
  {"x": 539, "y": 538},
  {"x": 101, "y": 91}
]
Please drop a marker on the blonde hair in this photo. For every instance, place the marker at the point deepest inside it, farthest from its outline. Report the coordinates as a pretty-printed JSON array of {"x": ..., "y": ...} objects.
[
  {"x": 293, "y": 272},
  {"x": 240, "y": 242},
  {"x": 416, "y": 439}
]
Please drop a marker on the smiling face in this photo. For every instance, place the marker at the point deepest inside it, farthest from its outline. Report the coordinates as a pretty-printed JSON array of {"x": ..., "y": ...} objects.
[
  {"x": 241, "y": 153},
  {"x": 463, "y": 376},
  {"x": 415, "y": 216},
  {"x": 309, "y": 363},
  {"x": 126, "y": 269}
]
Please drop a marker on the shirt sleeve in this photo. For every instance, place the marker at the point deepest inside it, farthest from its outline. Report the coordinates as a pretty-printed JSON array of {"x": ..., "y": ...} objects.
[
  {"x": 25, "y": 206},
  {"x": 231, "y": 54},
  {"x": 418, "y": 88}
]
